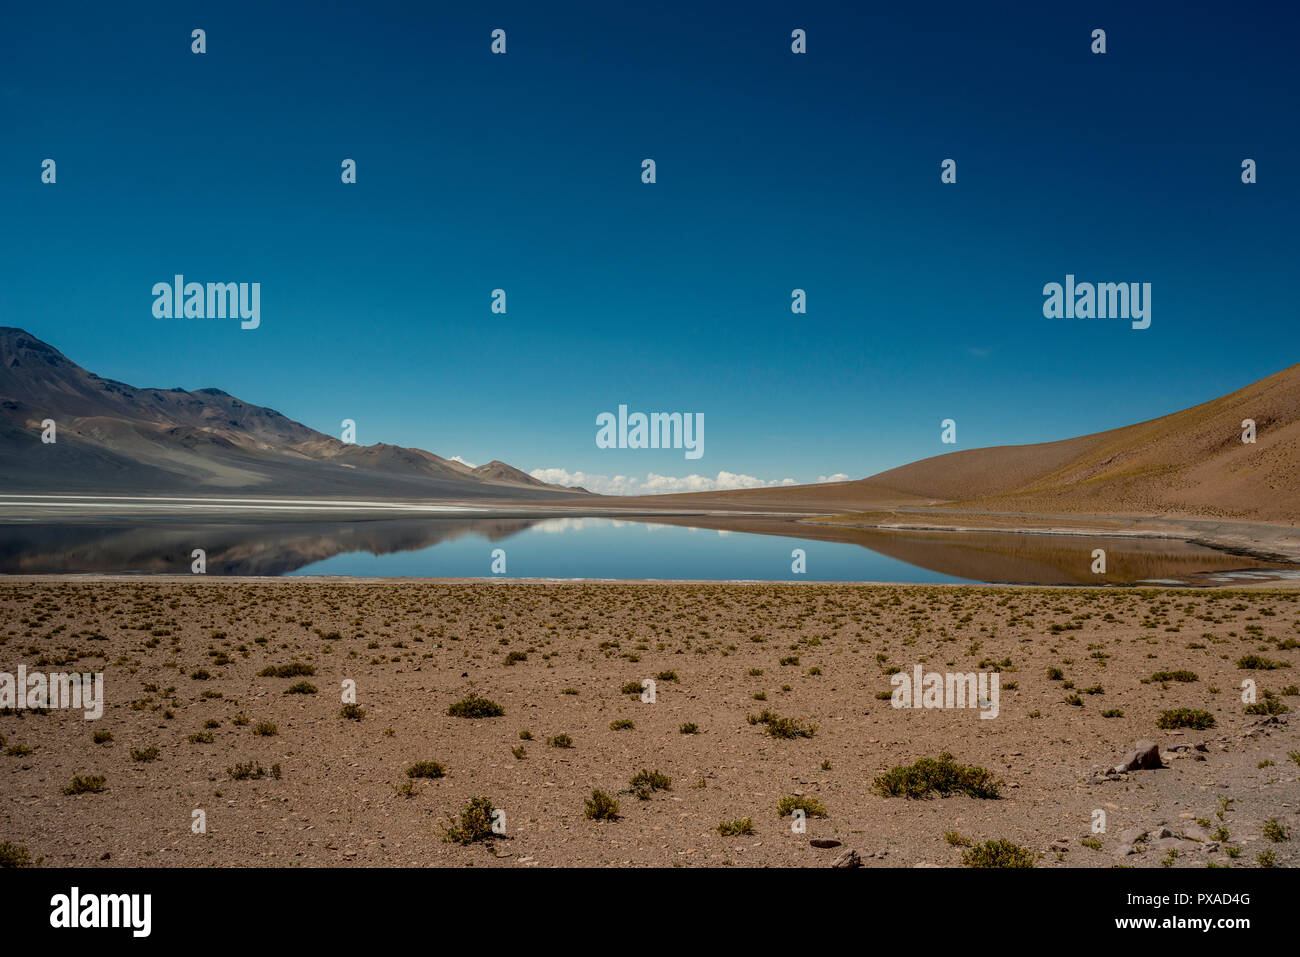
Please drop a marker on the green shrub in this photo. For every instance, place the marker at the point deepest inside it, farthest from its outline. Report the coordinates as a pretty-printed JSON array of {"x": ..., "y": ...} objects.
[
  {"x": 1276, "y": 831},
  {"x": 779, "y": 727},
  {"x": 1185, "y": 718},
  {"x": 92, "y": 784},
  {"x": 475, "y": 823},
  {"x": 302, "y": 687},
  {"x": 353, "y": 712},
  {"x": 602, "y": 807},
  {"x": 811, "y": 807},
  {"x": 1256, "y": 663},
  {"x": 1183, "y": 676},
  {"x": 736, "y": 828},
  {"x": 250, "y": 771},
  {"x": 997, "y": 854},
  {"x": 476, "y": 707},
  {"x": 296, "y": 669},
  {"x": 426, "y": 769},
  {"x": 14, "y": 855},
  {"x": 942, "y": 776},
  {"x": 644, "y": 783}
]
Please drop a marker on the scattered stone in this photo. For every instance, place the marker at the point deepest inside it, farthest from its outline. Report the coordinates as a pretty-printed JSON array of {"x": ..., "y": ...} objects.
[
  {"x": 1194, "y": 832},
  {"x": 823, "y": 842},
  {"x": 1132, "y": 835},
  {"x": 1144, "y": 756},
  {"x": 848, "y": 858},
  {"x": 1061, "y": 844},
  {"x": 1165, "y": 844}
]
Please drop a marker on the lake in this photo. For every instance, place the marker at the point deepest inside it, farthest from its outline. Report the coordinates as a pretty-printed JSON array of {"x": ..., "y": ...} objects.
[{"x": 584, "y": 547}]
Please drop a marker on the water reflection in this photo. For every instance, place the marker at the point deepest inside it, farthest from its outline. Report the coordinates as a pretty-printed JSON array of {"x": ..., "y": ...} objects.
[{"x": 577, "y": 546}]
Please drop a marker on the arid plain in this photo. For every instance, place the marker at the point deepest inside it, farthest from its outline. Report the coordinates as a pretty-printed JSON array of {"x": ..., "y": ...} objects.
[{"x": 195, "y": 720}]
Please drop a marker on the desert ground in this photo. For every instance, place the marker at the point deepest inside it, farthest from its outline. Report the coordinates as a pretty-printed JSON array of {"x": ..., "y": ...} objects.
[{"x": 194, "y": 720}]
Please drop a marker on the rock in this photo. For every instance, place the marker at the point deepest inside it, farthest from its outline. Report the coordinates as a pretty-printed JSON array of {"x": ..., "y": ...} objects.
[
  {"x": 847, "y": 858},
  {"x": 1144, "y": 756},
  {"x": 823, "y": 842},
  {"x": 1132, "y": 835},
  {"x": 1061, "y": 844},
  {"x": 1124, "y": 850},
  {"x": 1165, "y": 844},
  {"x": 1163, "y": 832},
  {"x": 1194, "y": 832},
  {"x": 1201, "y": 746}
]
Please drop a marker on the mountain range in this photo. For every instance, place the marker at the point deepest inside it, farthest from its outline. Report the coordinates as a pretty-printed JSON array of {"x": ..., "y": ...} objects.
[{"x": 113, "y": 437}]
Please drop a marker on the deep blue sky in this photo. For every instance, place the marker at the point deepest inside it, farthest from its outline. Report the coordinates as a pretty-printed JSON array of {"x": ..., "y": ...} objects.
[{"x": 775, "y": 171}]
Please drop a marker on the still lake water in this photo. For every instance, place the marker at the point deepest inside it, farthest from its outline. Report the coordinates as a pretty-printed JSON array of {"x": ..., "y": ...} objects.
[{"x": 587, "y": 547}]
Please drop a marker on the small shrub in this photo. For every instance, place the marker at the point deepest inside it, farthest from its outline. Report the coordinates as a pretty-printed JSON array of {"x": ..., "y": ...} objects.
[
  {"x": 296, "y": 669},
  {"x": 779, "y": 727},
  {"x": 1257, "y": 663},
  {"x": 426, "y": 769},
  {"x": 644, "y": 783},
  {"x": 265, "y": 729},
  {"x": 302, "y": 687},
  {"x": 14, "y": 855},
  {"x": 736, "y": 828},
  {"x": 353, "y": 712},
  {"x": 811, "y": 807},
  {"x": 942, "y": 776},
  {"x": 997, "y": 854},
  {"x": 1276, "y": 831},
  {"x": 1185, "y": 718},
  {"x": 601, "y": 807},
  {"x": 1183, "y": 676},
  {"x": 476, "y": 707},
  {"x": 144, "y": 755},
  {"x": 475, "y": 823},
  {"x": 250, "y": 771},
  {"x": 92, "y": 784}
]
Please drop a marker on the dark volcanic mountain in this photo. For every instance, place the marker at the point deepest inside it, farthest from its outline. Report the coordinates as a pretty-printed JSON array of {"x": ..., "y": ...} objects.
[{"x": 112, "y": 437}]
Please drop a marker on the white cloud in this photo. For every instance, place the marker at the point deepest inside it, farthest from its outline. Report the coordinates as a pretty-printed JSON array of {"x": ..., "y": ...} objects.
[
  {"x": 655, "y": 484},
  {"x": 457, "y": 458},
  {"x": 837, "y": 477}
]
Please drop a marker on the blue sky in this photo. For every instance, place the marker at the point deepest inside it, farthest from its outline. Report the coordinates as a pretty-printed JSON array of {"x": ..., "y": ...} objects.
[{"x": 775, "y": 171}]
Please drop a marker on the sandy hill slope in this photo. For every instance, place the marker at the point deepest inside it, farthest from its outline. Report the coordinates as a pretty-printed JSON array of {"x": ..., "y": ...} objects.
[
  {"x": 1190, "y": 464},
  {"x": 116, "y": 437}
]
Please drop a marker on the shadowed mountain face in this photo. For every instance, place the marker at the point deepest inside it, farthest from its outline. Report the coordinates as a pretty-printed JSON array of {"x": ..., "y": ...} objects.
[{"x": 115, "y": 437}]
